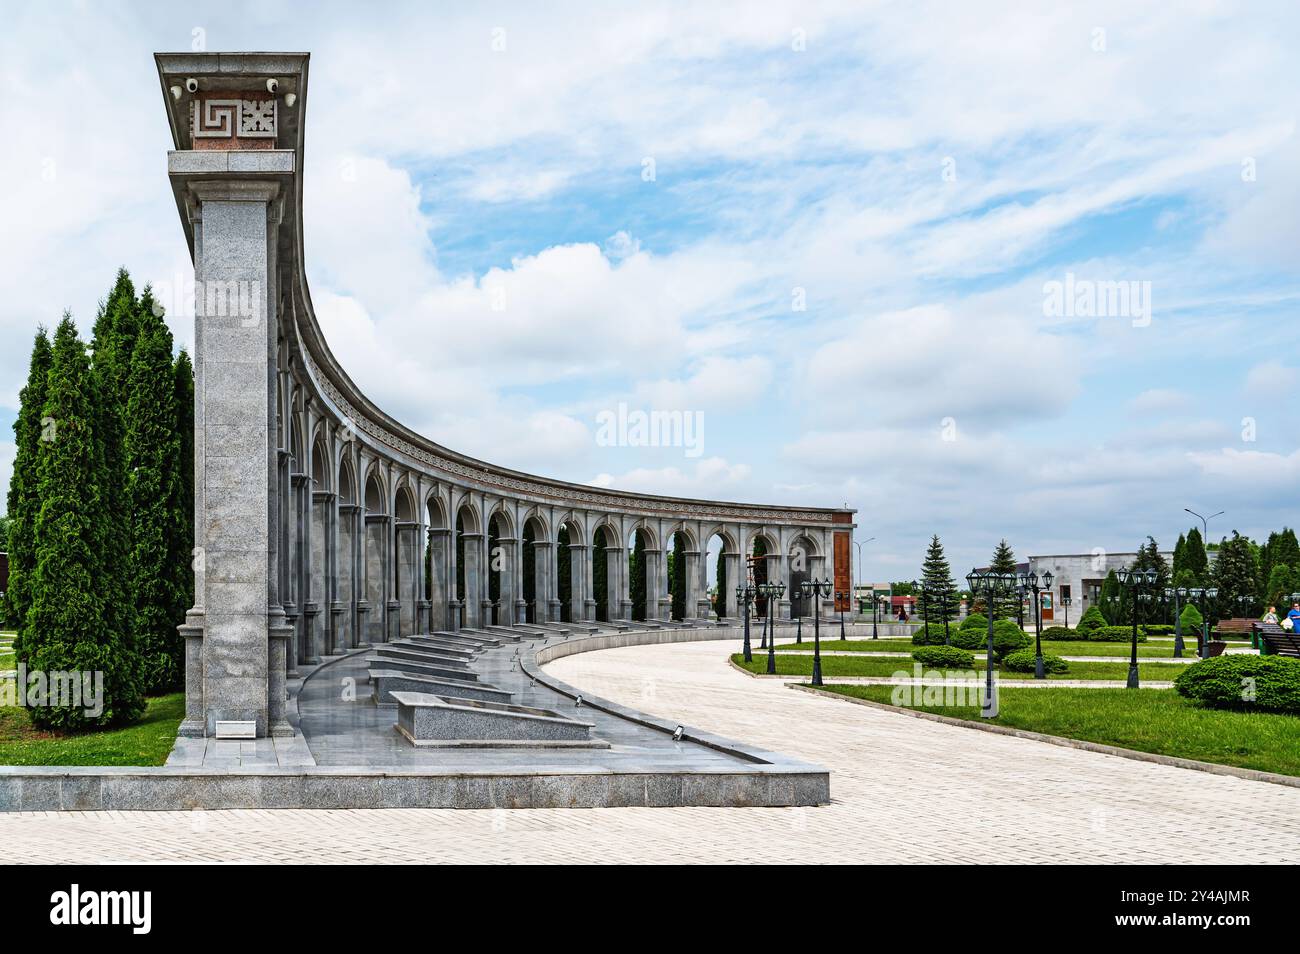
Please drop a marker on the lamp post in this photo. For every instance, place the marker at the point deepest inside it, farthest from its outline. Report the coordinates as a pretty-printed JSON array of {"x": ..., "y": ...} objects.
[
  {"x": 1205, "y": 523},
  {"x": 745, "y": 597},
  {"x": 989, "y": 585},
  {"x": 875, "y": 616},
  {"x": 1135, "y": 580},
  {"x": 816, "y": 589},
  {"x": 759, "y": 589},
  {"x": 1066, "y": 601},
  {"x": 798, "y": 624},
  {"x": 1029, "y": 582},
  {"x": 773, "y": 592},
  {"x": 1177, "y": 594},
  {"x": 840, "y": 598}
]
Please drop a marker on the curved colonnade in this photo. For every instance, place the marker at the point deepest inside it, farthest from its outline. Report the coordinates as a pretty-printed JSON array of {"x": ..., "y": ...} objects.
[{"x": 360, "y": 530}]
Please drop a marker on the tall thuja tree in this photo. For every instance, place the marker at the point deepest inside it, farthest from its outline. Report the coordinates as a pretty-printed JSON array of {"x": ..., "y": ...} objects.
[
  {"x": 940, "y": 588},
  {"x": 1282, "y": 582},
  {"x": 149, "y": 454},
  {"x": 636, "y": 573},
  {"x": 679, "y": 577},
  {"x": 181, "y": 533},
  {"x": 1194, "y": 559},
  {"x": 1004, "y": 561},
  {"x": 1112, "y": 599},
  {"x": 23, "y": 501},
  {"x": 70, "y": 626},
  {"x": 1180, "y": 555},
  {"x": 720, "y": 601}
]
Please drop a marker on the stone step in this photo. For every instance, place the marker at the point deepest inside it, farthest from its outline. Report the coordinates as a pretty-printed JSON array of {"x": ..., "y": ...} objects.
[
  {"x": 385, "y": 681},
  {"x": 495, "y": 634},
  {"x": 389, "y": 651},
  {"x": 441, "y": 647},
  {"x": 485, "y": 639},
  {"x": 427, "y": 719},
  {"x": 509, "y": 633},
  {"x": 424, "y": 668},
  {"x": 554, "y": 629}
]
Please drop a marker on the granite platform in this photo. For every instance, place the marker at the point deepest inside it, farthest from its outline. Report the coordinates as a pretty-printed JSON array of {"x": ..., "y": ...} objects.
[{"x": 346, "y": 752}]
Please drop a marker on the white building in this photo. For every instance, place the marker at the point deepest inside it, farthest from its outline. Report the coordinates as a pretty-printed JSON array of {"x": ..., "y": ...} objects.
[{"x": 1077, "y": 578}]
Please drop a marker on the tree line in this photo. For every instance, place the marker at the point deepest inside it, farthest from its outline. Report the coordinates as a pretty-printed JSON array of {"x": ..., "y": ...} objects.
[{"x": 100, "y": 507}]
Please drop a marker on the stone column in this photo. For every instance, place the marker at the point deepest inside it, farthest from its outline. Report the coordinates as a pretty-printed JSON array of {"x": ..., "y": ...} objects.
[
  {"x": 347, "y": 591},
  {"x": 507, "y": 603},
  {"x": 228, "y": 631},
  {"x": 735, "y": 577},
  {"x": 376, "y": 562},
  {"x": 474, "y": 590},
  {"x": 322, "y": 506},
  {"x": 407, "y": 575},
  {"x": 696, "y": 602},
  {"x": 438, "y": 586},
  {"x": 579, "y": 561},
  {"x": 543, "y": 585}
]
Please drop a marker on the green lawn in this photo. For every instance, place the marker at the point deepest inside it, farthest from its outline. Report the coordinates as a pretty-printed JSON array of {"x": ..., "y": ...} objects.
[
  {"x": 865, "y": 665},
  {"x": 1072, "y": 647},
  {"x": 1150, "y": 720},
  {"x": 148, "y": 742}
]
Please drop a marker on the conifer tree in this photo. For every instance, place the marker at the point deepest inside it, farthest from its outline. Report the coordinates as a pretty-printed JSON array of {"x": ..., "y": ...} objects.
[
  {"x": 1002, "y": 562},
  {"x": 149, "y": 455},
  {"x": 940, "y": 589},
  {"x": 720, "y": 601},
  {"x": 1194, "y": 558},
  {"x": 70, "y": 626},
  {"x": 181, "y": 533},
  {"x": 679, "y": 577},
  {"x": 636, "y": 573},
  {"x": 23, "y": 501}
]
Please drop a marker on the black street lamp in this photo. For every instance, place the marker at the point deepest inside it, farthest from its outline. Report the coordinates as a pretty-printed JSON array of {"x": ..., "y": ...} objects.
[
  {"x": 990, "y": 585},
  {"x": 1201, "y": 597},
  {"x": 842, "y": 600},
  {"x": 745, "y": 597},
  {"x": 1135, "y": 580},
  {"x": 773, "y": 592},
  {"x": 798, "y": 624},
  {"x": 875, "y": 616},
  {"x": 1066, "y": 601},
  {"x": 759, "y": 589},
  {"x": 1177, "y": 594},
  {"x": 1029, "y": 582},
  {"x": 816, "y": 589}
]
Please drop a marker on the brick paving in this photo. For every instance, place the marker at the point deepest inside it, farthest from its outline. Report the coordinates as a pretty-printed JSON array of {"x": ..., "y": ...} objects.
[{"x": 905, "y": 790}]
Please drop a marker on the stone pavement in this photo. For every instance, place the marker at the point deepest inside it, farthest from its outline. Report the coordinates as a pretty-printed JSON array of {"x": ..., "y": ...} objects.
[{"x": 904, "y": 789}]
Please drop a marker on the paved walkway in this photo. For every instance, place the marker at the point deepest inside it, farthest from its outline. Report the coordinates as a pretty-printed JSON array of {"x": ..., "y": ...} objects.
[{"x": 905, "y": 790}]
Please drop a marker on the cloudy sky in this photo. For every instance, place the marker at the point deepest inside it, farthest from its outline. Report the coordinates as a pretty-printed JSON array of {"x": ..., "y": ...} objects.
[{"x": 829, "y": 230}]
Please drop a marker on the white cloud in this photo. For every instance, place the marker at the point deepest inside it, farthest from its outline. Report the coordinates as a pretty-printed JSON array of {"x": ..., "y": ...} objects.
[{"x": 1159, "y": 401}]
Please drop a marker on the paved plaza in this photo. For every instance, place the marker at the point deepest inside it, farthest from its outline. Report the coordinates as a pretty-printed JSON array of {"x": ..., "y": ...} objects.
[{"x": 904, "y": 790}]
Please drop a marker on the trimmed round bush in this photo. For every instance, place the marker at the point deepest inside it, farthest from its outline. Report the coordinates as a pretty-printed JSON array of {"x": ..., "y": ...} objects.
[
  {"x": 970, "y": 638},
  {"x": 1157, "y": 629},
  {"x": 1092, "y": 620},
  {"x": 975, "y": 621},
  {"x": 1241, "y": 681},
  {"x": 1023, "y": 660},
  {"x": 931, "y": 635},
  {"x": 943, "y": 657},
  {"x": 1117, "y": 634},
  {"x": 1008, "y": 637},
  {"x": 1059, "y": 632}
]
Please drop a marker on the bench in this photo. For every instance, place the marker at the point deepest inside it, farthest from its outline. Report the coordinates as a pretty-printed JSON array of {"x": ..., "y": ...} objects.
[
  {"x": 1240, "y": 626},
  {"x": 1275, "y": 641}
]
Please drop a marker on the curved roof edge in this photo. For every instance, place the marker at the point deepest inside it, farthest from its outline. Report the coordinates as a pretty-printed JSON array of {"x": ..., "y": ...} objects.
[{"x": 239, "y": 70}]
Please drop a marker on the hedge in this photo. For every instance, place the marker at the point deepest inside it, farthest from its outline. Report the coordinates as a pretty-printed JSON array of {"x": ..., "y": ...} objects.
[
  {"x": 1117, "y": 634},
  {"x": 944, "y": 657},
  {"x": 976, "y": 621},
  {"x": 1025, "y": 660},
  {"x": 1061, "y": 632},
  {"x": 1241, "y": 681}
]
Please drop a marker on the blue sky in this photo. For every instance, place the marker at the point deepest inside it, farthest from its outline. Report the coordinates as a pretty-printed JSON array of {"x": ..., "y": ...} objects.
[{"x": 916, "y": 173}]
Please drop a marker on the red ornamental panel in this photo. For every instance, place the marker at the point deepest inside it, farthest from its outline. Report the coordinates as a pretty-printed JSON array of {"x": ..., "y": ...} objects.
[{"x": 843, "y": 582}]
